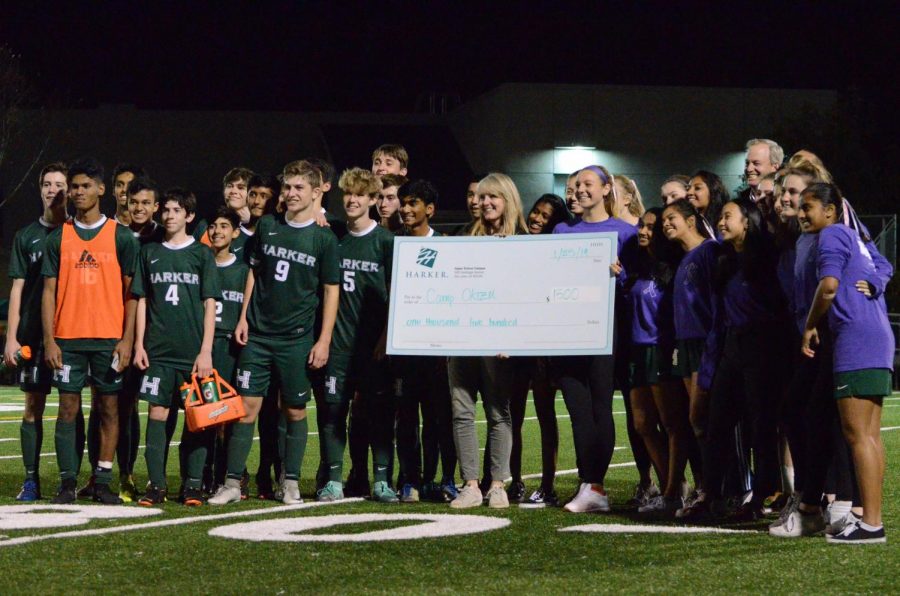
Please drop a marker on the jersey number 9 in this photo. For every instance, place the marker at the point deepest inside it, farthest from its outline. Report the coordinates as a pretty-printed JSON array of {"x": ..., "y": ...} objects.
[{"x": 281, "y": 270}]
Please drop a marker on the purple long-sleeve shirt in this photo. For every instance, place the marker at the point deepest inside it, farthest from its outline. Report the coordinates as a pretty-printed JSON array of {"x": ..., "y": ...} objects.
[
  {"x": 693, "y": 292},
  {"x": 862, "y": 333}
]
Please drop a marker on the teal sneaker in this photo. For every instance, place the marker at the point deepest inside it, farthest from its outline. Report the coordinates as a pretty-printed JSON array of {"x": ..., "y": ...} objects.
[
  {"x": 333, "y": 491},
  {"x": 383, "y": 493}
]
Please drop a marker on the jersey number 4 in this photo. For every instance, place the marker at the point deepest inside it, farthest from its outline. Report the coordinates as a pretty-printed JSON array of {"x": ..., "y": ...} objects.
[{"x": 172, "y": 294}]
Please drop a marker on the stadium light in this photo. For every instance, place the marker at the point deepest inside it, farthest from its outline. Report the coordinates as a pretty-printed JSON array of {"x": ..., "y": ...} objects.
[{"x": 568, "y": 158}]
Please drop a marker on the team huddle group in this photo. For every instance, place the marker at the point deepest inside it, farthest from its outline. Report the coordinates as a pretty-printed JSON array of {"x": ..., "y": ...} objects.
[{"x": 747, "y": 329}]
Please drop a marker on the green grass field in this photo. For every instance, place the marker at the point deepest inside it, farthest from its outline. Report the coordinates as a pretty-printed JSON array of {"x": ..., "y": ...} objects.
[{"x": 204, "y": 550}]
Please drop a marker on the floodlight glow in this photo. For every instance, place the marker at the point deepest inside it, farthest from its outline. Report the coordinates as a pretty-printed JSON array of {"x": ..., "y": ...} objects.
[{"x": 569, "y": 159}]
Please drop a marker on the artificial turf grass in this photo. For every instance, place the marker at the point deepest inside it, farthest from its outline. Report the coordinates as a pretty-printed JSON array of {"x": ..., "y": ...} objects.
[{"x": 530, "y": 554}]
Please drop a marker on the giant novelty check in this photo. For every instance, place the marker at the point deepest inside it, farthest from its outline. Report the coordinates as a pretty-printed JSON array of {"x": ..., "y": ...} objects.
[{"x": 519, "y": 295}]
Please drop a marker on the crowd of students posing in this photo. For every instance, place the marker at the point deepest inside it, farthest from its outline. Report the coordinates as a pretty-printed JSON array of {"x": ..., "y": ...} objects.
[{"x": 745, "y": 329}]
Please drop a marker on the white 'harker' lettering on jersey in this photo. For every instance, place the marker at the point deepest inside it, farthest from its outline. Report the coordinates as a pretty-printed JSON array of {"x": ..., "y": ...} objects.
[
  {"x": 279, "y": 252},
  {"x": 170, "y": 277},
  {"x": 357, "y": 265},
  {"x": 232, "y": 296}
]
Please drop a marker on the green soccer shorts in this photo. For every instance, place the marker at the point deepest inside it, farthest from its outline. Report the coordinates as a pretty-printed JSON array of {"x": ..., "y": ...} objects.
[
  {"x": 264, "y": 357},
  {"x": 81, "y": 365},
  {"x": 160, "y": 385}
]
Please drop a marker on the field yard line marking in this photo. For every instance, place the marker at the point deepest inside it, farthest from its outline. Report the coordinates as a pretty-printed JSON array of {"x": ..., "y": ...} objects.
[
  {"x": 627, "y": 464},
  {"x": 884, "y": 428},
  {"x": 9, "y": 440},
  {"x": 170, "y": 522}
]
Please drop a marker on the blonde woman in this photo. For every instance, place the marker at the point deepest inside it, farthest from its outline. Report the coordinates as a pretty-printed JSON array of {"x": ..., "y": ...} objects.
[
  {"x": 491, "y": 376},
  {"x": 629, "y": 206}
]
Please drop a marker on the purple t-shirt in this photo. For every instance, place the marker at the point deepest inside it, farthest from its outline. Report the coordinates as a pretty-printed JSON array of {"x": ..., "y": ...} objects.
[
  {"x": 862, "y": 333},
  {"x": 745, "y": 305},
  {"x": 646, "y": 298},
  {"x": 627, "y": 240},
  {"x": 805, "y": 280},
  {"x": 693, "y": 292}
]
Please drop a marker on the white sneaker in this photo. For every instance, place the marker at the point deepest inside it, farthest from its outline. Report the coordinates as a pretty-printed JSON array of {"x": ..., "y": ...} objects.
[
  {"x": 588, "y": 500},
  {"x": 291, "y": 493},
  {"x": 468, "y": 497},
  {"x": 226, "y": 494},
  {"x": 796, "y": 524},
  {"x": 497, "y": 498}
]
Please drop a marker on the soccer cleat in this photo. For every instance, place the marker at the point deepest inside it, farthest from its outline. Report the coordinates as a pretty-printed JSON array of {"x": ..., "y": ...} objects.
[
  {"x": 86, "y": 492},
  {"x": 154, "y": 495},
  {"x": 245, "y": 485},
  {"x": 516, "y": 492},
  {"x": 66, "y": 493},
  {"x": 661, "y": 505},
  {"x": 291, "y": 495},
  {"x": 227, "y": 493},
  {"x": 590, "y": 499},
  {"x": 127, "y": 489},
  {"x": 193, "y": 497},
  {"x": 543, "y": 497},
  {"x": 469, "y": 496},
  {"x": 409, "y": 494},
  {"x": 332, "y": 491},
  {"x": 497, "y": 498},
  {"x": 383, "y": 493},
  {"x": 31, "y": 491},
  {"x": 796, "y": 524},
  {"x": 449, "y": 491},
  {"x": 103, "y": 494},
  {"x": 854, "y": 533}
]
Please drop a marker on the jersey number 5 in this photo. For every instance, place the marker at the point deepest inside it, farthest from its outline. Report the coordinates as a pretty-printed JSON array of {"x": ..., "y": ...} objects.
[{"x": 349, "y": 281}]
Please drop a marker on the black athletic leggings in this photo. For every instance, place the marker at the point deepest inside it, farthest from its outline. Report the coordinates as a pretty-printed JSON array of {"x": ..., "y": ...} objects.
[
  {"x": 745, "y": 388},
  {"x": 586, "y": 383}
]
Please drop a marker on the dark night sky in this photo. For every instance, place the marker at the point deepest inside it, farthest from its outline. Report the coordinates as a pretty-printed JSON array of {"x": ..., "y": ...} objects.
[{"x": 382, "y": 55}]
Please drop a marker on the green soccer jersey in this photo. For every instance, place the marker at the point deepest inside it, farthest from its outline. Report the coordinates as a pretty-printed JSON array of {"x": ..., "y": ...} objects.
[
  {"x": 365, "y": 261},
  {"x": 232, "y": 280},
  {"x": 290, "y": 263},
  {"x": 25, "y": 263},
  {"x": 175, "y": 282},
  {"x": 239, "y": 244},
  {"x": 127, "y": 249}
]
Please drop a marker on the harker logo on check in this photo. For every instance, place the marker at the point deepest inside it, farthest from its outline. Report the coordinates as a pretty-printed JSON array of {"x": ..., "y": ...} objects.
[{"x": 427, "y": 257}]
